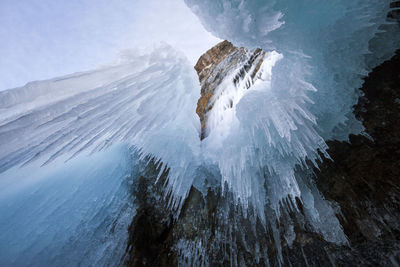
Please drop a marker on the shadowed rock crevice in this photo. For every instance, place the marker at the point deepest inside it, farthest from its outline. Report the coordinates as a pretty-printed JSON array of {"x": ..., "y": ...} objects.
[{"x": 150, "y": 242}]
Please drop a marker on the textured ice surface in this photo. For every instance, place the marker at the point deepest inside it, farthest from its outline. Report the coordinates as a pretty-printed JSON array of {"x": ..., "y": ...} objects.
[
  {"x": 147, "y": 101},
  {"x": 257, "y": 137},
  {"x": 65, "y": 189},
  {"x": 331, "y": 45},
  {"x": 63, "y": 214},
  {"x": 318, "y": 52},
  {"x": 325, "y": 49}
]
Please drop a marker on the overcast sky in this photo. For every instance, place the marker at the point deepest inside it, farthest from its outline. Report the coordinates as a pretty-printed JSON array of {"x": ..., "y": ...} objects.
[{"x": 42, "y": 39}]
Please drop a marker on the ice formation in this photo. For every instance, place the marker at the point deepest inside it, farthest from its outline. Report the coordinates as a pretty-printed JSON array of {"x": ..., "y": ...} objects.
[
  {"x": 320, "y": 53},
  {"x": 316, "y": 56},
  {"x": 80, "y": 210},
  {"x": 71, "y": 147},
  {"x": 147, "y": 101}
]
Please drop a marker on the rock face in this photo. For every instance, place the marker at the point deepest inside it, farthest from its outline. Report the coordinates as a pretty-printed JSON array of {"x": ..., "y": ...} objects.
[
  {"x": 394, "y": 14},
  {"x": 150, "y": 242},
  {"x": 364, "y": 177},
  {"x": 222, "y": 61},
  {"x": 362, "y": 182}
]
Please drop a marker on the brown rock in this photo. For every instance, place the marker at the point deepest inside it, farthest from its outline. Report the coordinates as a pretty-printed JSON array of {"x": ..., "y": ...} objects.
[{"x": 215, "y": 65}]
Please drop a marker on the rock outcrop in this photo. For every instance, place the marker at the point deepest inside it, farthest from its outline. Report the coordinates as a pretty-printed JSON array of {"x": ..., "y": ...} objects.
[{"x": 220, "y": 62}]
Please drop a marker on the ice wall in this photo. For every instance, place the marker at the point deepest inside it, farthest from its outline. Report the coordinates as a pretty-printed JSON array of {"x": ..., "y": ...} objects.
[
  {"x": 70, "y": 150},
  {"x": 64, "y": 214}
]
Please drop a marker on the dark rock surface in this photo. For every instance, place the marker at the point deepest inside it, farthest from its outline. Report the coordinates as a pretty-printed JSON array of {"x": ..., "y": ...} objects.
[
  {"x": 149, "y": 242},
  {"x": 364, "y": 177},
  {"x": 363, "y": 182},
  {"x": 395, "y": 12}
]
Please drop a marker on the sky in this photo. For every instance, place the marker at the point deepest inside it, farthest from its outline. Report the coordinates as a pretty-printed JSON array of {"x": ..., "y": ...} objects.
[{"x": 43, "y": 39}]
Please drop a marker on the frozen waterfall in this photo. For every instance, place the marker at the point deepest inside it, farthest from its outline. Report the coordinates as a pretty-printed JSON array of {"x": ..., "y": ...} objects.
[{"x": 70, "y": 147}]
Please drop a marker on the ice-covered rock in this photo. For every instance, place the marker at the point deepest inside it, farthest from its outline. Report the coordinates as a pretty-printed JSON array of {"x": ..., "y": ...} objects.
[{"x": 218, "y": 65}]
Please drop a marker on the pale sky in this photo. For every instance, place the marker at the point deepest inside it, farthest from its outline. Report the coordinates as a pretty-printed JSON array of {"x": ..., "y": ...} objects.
[{"x": 42, "y": 39}]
